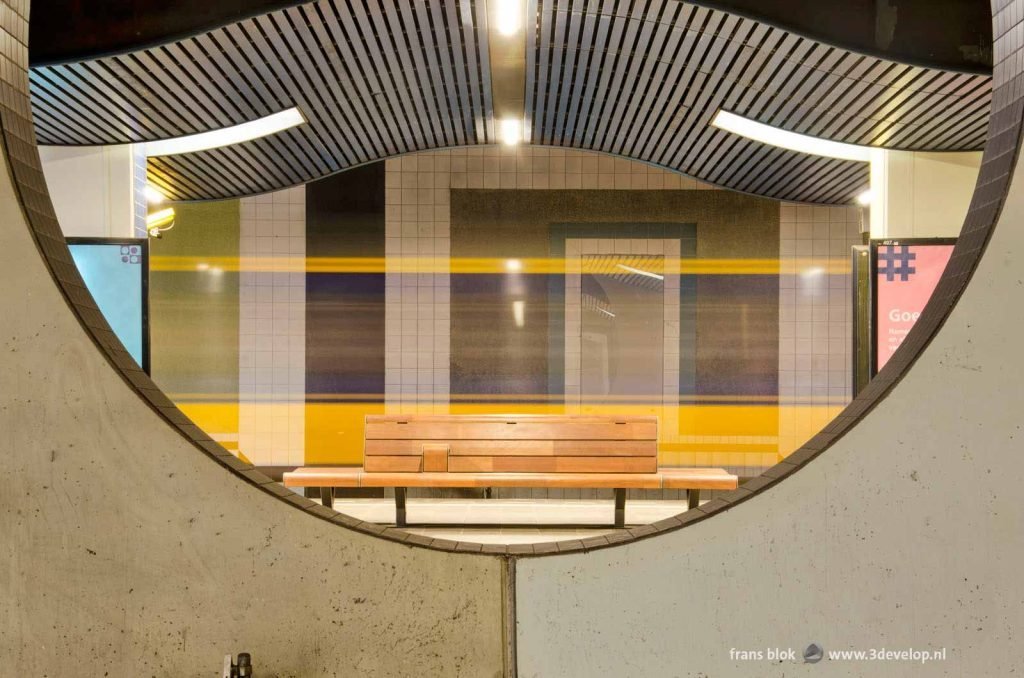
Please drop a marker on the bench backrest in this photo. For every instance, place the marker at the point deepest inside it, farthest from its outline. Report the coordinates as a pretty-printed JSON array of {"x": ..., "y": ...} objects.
[{"x": 514, "y": 443}]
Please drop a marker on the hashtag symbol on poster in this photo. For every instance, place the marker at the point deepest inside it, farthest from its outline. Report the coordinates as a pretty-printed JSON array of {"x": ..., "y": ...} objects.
[{"x": 896, "y": 261}]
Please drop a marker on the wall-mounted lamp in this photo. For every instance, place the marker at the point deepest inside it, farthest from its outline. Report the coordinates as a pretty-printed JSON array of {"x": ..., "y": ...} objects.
[
  {"x": 160, "y": 222},
  {"x": 513, "y": 265},
  {"x": 864, "y": 198}
]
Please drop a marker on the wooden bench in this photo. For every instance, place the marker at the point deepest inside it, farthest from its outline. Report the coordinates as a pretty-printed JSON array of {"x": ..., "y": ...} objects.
[{"x": 539, "y": 451}]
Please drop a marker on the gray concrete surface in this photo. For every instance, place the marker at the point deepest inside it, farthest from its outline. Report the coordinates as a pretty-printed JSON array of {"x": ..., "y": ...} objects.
[
  {"x": 909, "y": 532},
  {"x": 127, "y": 552}
]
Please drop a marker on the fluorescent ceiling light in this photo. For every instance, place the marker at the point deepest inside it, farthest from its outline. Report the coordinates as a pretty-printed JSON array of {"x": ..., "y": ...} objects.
[
  {"x": 153, "y": 195},
  {"x": 773, "y": 136},
  {"x": 236, "y": 134},
  {"x": 511, "y": 131},
  {"x": 641, "y": 272},
  {"x": 508, "y": 16},
  {"x": 607, "y": 313}
]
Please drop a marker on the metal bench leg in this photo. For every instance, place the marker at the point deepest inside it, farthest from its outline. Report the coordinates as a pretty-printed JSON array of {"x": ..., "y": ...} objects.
[
  {"x": 400, "y": 507},
  {"x": 327, "y": 496},
  {"x": 620, "y": 508},
  {"x": 692, "y": 499}
]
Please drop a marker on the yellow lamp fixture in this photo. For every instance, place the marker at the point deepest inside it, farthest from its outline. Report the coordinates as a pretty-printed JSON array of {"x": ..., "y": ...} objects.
[{"x": 160, "y": 222}]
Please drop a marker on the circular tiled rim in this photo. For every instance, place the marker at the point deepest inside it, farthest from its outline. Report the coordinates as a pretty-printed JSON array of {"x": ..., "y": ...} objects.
[{"x": 993, "y": 183}]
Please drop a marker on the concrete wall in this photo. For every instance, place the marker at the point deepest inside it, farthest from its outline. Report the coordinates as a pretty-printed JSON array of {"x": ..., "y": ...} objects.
[
  {"x": 92, "y": 188},
  {"x": 907, "y": 532},
  {"x": 127, "y": 552}
]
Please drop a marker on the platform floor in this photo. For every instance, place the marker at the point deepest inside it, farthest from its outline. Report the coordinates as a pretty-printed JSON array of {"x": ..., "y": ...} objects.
[{"x": 509, "y": 521}]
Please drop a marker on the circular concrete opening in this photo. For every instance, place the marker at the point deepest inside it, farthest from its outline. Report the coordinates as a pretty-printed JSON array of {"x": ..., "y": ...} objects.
[{"x": 993, "y": 180}]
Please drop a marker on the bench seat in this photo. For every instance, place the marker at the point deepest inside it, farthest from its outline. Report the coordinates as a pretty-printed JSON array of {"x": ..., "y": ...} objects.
[
  {"x": 693, "y": 480},
  {"x": 668, "y": 479},
  {"x": 511, "y": 450}
]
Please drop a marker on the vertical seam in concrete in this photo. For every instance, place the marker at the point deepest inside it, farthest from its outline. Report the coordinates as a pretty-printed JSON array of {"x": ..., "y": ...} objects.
[{"x": 508, "y": 605}]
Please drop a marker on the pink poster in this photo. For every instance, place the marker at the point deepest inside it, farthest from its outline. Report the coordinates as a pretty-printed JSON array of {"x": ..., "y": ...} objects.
[{"x": 907, "y": 276}]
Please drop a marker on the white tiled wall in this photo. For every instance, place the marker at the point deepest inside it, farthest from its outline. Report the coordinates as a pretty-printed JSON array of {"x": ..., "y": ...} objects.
[
  {"x": 417, "y": 283},
  {"x": 522, "y": 167},
  {"x": 418, "y": 245},
  {"x": 815, "y": 318},
  {"x": 272, "y": 328}
]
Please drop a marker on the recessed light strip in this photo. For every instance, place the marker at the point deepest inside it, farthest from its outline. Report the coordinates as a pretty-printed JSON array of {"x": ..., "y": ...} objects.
[
  {"x": 236, "y": 134},
  {"x": 508, "y": 17},
  {"x": 793, "y": 141}
]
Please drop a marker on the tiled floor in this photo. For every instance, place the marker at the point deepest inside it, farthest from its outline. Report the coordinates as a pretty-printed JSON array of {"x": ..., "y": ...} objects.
[{"x": 509, "y": 521}]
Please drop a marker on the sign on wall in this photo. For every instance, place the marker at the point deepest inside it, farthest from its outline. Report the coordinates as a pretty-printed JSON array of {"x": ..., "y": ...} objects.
[
  {"x": 116, "y": 273},
  {"x": 906, "y": 273}
]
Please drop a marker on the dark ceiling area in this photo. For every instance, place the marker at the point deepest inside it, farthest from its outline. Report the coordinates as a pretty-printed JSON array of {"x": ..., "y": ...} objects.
[
  {"x": 73, "y": 30},
  {"x": 953, "y": 34}
]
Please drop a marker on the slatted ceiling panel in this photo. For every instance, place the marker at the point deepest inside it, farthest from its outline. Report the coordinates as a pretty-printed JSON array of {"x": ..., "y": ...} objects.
[
  {"x": 646, "y": 78},
  {"x": 378, "y": 78},
  {"x": 374, "y": 79}
]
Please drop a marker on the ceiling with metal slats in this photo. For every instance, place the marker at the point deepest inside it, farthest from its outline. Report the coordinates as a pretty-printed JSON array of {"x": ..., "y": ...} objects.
[
  {"x": 637, "y": 78},
  {"x": 373, "y": 80},
  {"x": 644, "y": 80}
]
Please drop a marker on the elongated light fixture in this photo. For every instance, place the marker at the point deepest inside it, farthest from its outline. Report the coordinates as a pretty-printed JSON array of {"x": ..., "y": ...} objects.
[
  {"x": 773, "y": 136},
  {"x": 642, "y": 272},
  {"x": 236, "y": 134}
]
